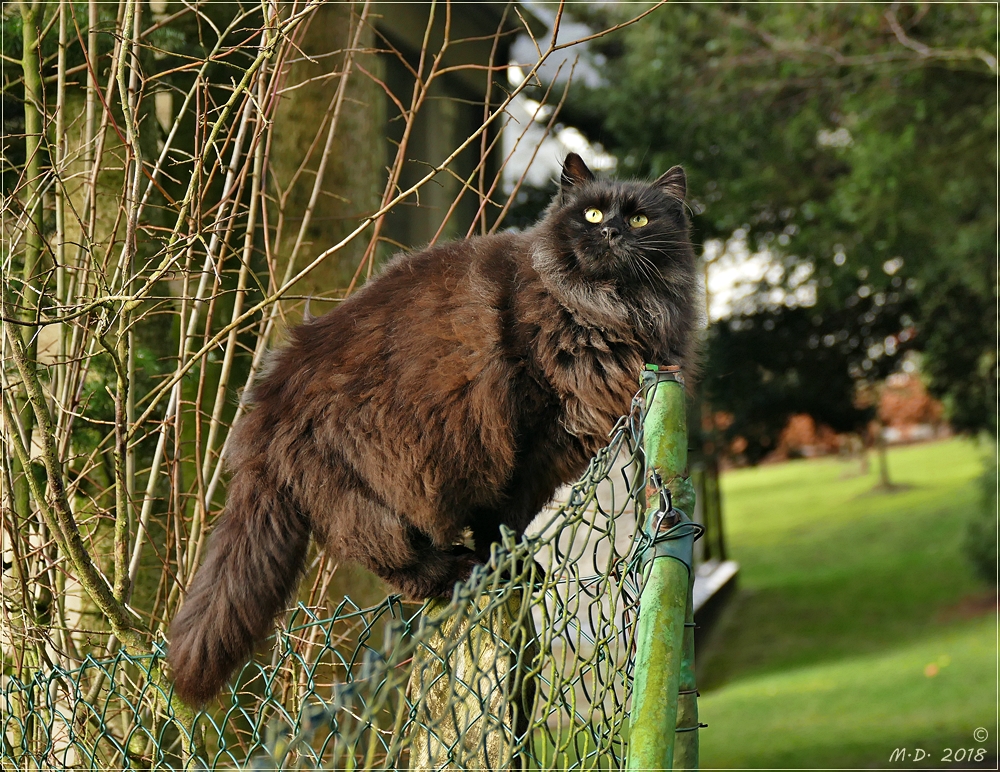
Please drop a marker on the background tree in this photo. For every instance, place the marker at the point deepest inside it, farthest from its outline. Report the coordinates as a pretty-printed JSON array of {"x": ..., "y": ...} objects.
[
  {"x": 855, "y": 143},
  {"x": 767, "y": 366}
]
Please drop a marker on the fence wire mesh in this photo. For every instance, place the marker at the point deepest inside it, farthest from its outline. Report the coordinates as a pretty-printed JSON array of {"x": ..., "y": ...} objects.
[{"x": 527, "y": 666}]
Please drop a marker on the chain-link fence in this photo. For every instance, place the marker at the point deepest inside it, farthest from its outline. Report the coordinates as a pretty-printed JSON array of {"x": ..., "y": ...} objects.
[{"x": 527, "y": 666}]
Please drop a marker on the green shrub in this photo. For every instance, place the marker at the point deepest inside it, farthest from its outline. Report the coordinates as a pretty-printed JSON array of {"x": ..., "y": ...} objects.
[{"x": 981, "y": 532}]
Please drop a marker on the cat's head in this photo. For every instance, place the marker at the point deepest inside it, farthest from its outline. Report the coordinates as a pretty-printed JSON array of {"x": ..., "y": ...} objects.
[{"x": 628, "y": 232}]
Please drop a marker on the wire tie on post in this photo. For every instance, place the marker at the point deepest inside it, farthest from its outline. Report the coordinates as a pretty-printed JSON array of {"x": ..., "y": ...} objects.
[
  {"x": 675, "y": 541},
  {"x": 666, "y": 501}
]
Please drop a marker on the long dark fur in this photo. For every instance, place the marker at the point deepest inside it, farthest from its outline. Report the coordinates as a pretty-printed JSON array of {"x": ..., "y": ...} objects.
[{"x": 458, "y": 390}]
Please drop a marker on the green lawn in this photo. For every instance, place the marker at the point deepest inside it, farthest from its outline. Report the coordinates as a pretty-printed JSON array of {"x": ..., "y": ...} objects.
[{"x": 858, "y": 627}]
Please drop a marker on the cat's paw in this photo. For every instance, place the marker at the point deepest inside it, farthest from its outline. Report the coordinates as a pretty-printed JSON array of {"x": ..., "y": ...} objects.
[{"x": 465, "y": 563}]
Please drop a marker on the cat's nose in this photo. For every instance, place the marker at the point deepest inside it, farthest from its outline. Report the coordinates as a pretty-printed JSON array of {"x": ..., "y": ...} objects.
[{"x": 609, "y": 232}]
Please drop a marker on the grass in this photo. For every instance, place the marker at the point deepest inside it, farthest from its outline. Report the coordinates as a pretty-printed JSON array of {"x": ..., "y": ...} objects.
[{"x": 858, "y": 627}]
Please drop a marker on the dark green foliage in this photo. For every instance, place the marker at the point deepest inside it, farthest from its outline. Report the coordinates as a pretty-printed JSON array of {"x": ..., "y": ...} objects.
[
  {"x": 961, "y": 354},
  {"x": 766, "y": 367},
  {"x": 981, "y": 532},
  {"x": 820, "y": 134}
]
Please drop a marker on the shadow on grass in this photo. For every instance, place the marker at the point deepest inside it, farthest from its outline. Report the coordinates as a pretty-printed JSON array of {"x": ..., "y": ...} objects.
[{"x": 883, "y": 489}]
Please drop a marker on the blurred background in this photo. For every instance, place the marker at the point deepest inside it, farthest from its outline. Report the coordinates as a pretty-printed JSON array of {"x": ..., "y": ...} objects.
[
  {"x": 841, "y": 161},
  {"x": 183, "y": 181}
]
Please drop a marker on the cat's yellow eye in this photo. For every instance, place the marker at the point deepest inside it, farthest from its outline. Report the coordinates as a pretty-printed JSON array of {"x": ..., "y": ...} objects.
[
  {"x": 593, "y": 215},
  {"x": 638, "y": 220}
]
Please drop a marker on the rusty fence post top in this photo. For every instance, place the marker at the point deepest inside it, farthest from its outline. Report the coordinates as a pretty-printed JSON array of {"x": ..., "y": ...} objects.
[{"x": 661, "y": 373}]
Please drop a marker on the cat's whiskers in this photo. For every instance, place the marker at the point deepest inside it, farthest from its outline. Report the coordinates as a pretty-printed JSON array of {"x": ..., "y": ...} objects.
[
  {"x": 647, "y": 268},
  {"x": 649, "y": 242}
]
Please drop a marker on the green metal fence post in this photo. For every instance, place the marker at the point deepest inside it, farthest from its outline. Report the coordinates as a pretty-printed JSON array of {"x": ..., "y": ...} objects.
[
  {"x": 664, "y": 722},
  {"x": 686, "y": 744}
]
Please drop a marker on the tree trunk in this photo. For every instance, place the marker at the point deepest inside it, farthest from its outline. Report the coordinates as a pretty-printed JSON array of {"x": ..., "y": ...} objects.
[{"x": 884, "y": 483}]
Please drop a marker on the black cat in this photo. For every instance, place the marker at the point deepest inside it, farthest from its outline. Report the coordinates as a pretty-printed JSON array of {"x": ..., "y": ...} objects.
[{"x": 456, "y": 391}]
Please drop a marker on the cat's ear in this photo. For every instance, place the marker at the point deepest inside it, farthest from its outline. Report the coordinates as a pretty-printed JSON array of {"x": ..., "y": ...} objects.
[
  {"x": 574, "y": 172},
  {"x": 674, "y": 182}
]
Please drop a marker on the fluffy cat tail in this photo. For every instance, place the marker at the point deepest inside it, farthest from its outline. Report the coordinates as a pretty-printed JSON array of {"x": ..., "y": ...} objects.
[{"x": 255, "y": 557}]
